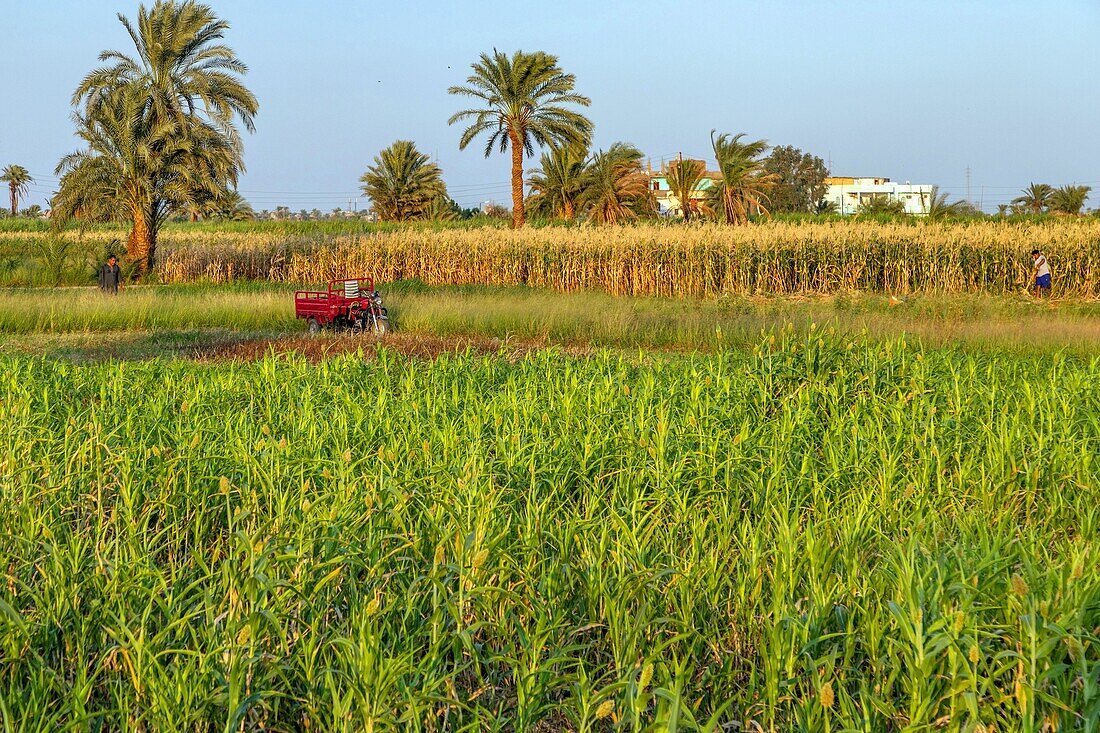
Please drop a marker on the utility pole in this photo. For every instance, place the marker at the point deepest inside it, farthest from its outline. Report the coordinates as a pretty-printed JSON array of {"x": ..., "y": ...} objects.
[{"x": 968, "y": 184}]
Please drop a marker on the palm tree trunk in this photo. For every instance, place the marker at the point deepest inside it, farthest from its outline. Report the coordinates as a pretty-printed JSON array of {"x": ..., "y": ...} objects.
[
  {"x": 141, "y": 244},
  {"x": 517, "y": 180},
  {"x": 14, "y": 199}
]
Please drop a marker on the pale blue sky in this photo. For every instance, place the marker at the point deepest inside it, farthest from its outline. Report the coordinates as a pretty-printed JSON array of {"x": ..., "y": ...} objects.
[{"x": 914, "y": 90}]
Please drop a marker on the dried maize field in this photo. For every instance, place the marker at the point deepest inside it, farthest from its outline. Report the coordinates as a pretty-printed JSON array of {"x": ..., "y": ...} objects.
[
  {"x": 704, "y": 260},
  {"x": 814, "y": 533},
  {"x": 777, "y": 258}
]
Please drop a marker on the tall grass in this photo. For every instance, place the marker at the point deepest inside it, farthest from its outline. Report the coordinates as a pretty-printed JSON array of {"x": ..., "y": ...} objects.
[
  {"x": 61, "y": 310},
  {"x": 582, "y": 319},
  {"x": 816, "y": 535}
]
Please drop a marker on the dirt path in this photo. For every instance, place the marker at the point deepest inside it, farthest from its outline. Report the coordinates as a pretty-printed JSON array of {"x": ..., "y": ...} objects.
[{"x": 318, "y": 348}]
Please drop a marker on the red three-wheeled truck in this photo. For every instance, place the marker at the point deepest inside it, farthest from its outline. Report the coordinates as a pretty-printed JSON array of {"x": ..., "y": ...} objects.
[{"x": 351, "y": 304}]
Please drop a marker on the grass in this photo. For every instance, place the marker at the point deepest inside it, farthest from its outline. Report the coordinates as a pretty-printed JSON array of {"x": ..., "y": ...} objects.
[
  {"x": 814, "y": 533},
  {"x": 575, "y": 319}
]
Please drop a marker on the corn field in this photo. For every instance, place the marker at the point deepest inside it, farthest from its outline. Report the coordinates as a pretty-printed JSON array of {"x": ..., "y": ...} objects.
[
  {"x": 813, "y": 534},
  {"x": 778, "y": 258}
]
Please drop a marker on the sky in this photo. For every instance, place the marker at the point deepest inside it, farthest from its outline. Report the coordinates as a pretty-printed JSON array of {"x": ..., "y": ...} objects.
[{"x": 913, "y": 91}]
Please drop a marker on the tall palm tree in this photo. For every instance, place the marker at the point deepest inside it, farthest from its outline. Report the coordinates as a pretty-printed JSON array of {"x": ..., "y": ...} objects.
[
  {"x": 18, "y": 179},
  {"x": 146, "y": 117},
  {"x": 1035, "y": 198},
  {"x": 523, "y": 100},
  {"x": 402, "y": 182},
  {"x": 1069, "y": 199},
  {"x": 139, "y": 167},
  {"x": 557, "y": 184},
  {"x": 744, "y": 185},
  {"x": 616, "y": 188},
  {"x": 936, "y": 206},
  {"x": 181, "y": 66},
  {"x": 683, "y": 178}
]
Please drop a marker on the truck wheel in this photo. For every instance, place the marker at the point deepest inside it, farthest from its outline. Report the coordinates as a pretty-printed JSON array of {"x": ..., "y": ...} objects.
[
  {"x": 381, "y": 326},
  {"x": 314, "y": 327}
]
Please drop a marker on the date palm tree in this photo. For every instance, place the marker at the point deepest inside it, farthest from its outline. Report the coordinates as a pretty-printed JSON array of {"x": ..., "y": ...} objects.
[
  {"x": 523, "y": 100},
  {"x": 557, "y": 184},
  {"x": 683, "y": 178},
  {"x": 1069, "y": 199},
  {"x": 744, "y": 185},
  {"x": 616, "y": 188},
  {"x": 181, "y": 65},
  {"x": 1035, "y": 198},
  {"x": 230, "y": 205},
  {"x": 146, "y": 117},
  {"x": 139, "y": 167},
  {"x": 402, "y": 182},
  {"x": 18, "y": 179},
  {"x": 441, "y": 209},
  {"x": 936, "y": 206}
]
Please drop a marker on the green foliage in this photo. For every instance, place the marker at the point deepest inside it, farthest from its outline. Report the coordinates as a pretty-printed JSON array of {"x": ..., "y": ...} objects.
[
  {"x": 523, "y": 100},
  {"x": 614, "y": 188},
  {"x": 881, "y": 205},
  {"x": 1035, "y": 199},
  {"x": 1069, "y": 199},
  {"x": 745, "y": 186},
  {"x": 402, "y": 183},
  {"x": 799, "y": 180},
  {"x": 18, "y": 179},
  {"x": 683, "y": 181},
  {"x": 557, "y": 185},
  {"x": 937, "y": 207},
  {"x": 812, "y": 534}
]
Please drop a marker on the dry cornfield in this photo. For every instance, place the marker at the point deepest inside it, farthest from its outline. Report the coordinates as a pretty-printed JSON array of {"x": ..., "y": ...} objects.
[
  {"x": 664, "y": 260},
  {"x": 703, "y": 260}
]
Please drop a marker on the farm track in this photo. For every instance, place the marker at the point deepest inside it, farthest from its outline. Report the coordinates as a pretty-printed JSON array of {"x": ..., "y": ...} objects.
[{"x": 319, "y": 348}]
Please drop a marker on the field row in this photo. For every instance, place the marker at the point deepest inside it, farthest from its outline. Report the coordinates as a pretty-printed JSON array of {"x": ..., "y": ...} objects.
[
  {"x": 775, "y": 258},
  {"x": 812, "y": 534}
]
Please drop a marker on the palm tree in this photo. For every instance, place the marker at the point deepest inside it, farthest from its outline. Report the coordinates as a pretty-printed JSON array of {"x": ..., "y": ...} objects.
[
  {"x": 683, "y": 181},
  {"x": 146, "y": 118},
  {"x": 615, "y": 187},
  {"x": 936, "y": 206},
  {"x": 557, "y": 184},
  {"x": 881, "y": 205},
  {"x": 1069, "y": 199},
  {"x": 181, "y": 66},
  {"x": 1035, "y": 198},
  {"x": 524, "y": 101},
  {"x": 229, "y": 205},
  {"x": 18, "y": 179},
  {"x": 402, "y": 182},
  {"x": 744, "y": 185},
  {"x": 139, "y": 167},
  {"x": 441, "y": 209}
]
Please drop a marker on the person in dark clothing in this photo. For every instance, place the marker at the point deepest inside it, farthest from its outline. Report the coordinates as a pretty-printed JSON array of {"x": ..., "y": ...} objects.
[{"x": 110, "y": 276}]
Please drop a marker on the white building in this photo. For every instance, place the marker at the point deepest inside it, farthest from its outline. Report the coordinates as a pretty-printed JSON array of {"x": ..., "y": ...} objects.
[{"x": 849, "y": 194}]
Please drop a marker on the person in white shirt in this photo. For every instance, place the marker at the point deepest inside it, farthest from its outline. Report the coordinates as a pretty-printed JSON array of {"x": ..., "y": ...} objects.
[{"x": 1042, "y": 274}]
